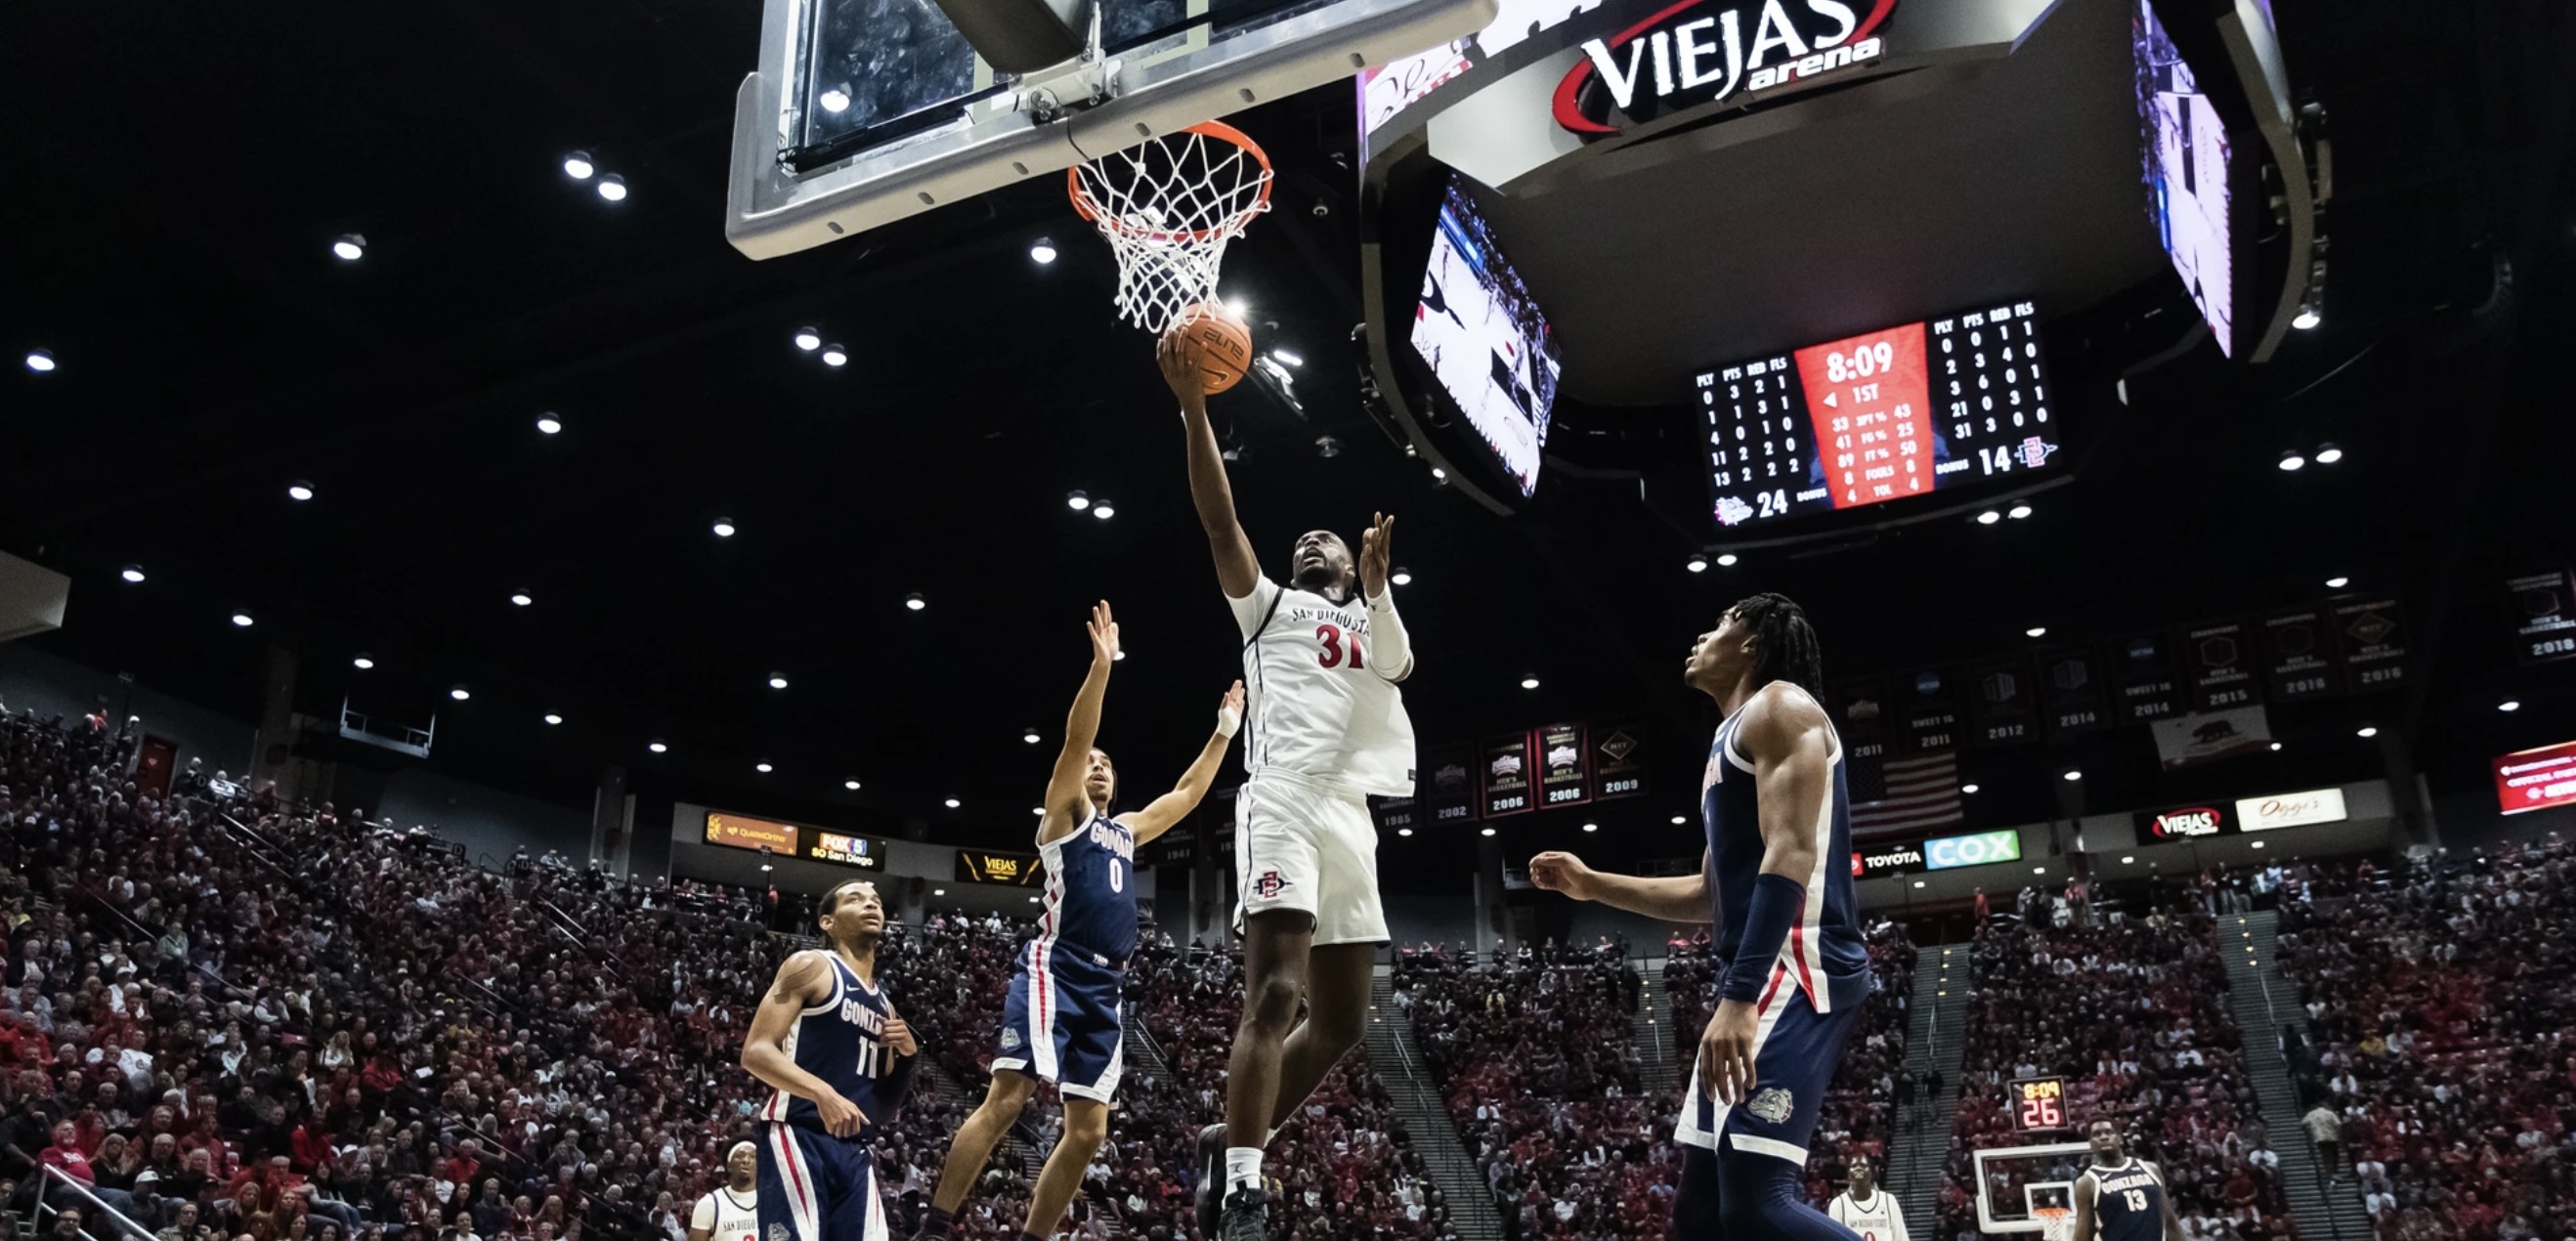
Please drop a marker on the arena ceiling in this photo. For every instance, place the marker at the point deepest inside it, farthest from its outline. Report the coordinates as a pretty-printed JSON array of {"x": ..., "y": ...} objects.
[{"x": 175, "y": 190}]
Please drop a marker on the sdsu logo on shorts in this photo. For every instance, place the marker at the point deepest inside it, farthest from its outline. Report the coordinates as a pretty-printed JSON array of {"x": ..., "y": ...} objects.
[
  {"x": 1270, "y": 884},
  {"x": 1773, "y": 1105}
]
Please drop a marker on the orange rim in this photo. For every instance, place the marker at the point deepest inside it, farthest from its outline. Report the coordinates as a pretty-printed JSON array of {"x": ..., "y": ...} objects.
[{"x": 1083, "y": 205}]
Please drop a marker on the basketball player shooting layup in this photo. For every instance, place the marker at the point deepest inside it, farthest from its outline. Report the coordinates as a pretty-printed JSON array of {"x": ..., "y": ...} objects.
[
  {"x": 841, "y": 1061},
  {"x": 2123, "y": 1197},
  {"x": 1793, "y": 971},
  {"x": 1061, "y": 1020},
  {"x": 1327, "y": 728}
]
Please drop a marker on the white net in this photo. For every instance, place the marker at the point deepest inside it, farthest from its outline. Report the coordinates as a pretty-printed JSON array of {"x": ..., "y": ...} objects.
[{"x": 1168, "y": 207}]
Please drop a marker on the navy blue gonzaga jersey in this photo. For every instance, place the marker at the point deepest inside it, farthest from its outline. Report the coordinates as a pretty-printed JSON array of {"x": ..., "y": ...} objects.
[
  {"x": 1823, "y": 956},
  {"x": 1091, "y": 893},
  {"x": 838, "y": 1041},
  {"x": 2130, "y": 1204}
]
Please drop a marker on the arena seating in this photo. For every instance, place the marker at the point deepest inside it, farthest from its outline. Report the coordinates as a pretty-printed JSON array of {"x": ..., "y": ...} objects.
[
  {"x": 2440, "y": 1018},
  {"x": 2133, "y": 1014}
]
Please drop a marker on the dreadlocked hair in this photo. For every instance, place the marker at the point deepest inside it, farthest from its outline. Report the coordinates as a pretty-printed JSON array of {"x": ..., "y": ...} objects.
[{"x": 1784, "y": 644}]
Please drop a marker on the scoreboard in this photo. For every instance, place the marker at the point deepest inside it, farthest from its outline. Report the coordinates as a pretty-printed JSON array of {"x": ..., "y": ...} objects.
[
  {"x": 2038, "y": 1103},
  {"x": 1886, "y": 415}
]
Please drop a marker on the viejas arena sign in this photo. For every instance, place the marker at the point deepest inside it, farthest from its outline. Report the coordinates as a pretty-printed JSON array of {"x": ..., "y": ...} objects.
[{"x": 1700, "y": 51}]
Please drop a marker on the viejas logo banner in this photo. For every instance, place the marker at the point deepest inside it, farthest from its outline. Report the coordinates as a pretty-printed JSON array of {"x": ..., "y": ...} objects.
[
  {"x": 2188, "y": 823},
  {"x": 1700, "y": 51}
]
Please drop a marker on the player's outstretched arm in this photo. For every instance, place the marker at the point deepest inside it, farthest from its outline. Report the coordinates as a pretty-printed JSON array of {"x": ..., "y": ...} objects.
[
  {"x": 2173, "y": 1224},
  {"x": 1183, "y": 364},
  {"x": 1159, "y": 815},
  {"x": 803, "y": 978},
  {"x": 1676, "y": 898},
  {"x": 1068, "y": 804},
  {"x": 2085, "y": 1189},
  {"x": 1390, "y": 647}
]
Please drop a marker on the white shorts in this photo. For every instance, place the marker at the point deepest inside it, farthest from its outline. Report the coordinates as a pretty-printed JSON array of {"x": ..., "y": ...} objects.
[{"x": 1301, "y": 846}]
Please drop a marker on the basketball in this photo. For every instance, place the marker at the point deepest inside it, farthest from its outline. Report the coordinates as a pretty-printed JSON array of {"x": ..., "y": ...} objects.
[{"x": 1228, "y": 343}]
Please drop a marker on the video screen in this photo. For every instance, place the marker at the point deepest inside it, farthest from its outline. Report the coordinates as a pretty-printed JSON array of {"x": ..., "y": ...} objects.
[
  {"x": 1486, "y": 340},
  {"x": 2186, "y": 174}
]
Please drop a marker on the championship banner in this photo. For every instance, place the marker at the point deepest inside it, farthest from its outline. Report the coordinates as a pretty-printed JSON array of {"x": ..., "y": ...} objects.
[
  {"x": 1395, "y": 814},
  {"x": 1452, "y": 785},
  {"x": 2005, "y": 704},
  {"x": 1860, "y": 713},
  {"x": 1506, "y": 772},
  {"x": 2142, "y": 669},
  {"x": 2298, "y": 660},
  {"x": 2072, "y": 693},
  {"x": 1618, "y": 764},
  {"x": 1930, "y": 702},
  {"x": 2544, "y": 616},
  {"x": 2220, "y": 660},
  {"x": 2374, "y": 644},
  {"x": 1565, "y": 766},
  {"x": 2193, "y": 739}
]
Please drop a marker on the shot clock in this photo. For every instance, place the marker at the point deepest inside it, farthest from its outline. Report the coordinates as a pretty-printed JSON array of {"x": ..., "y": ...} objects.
[
  {"x": 2038, "y": 1103},
  {"x": 1886, "y": 415}
]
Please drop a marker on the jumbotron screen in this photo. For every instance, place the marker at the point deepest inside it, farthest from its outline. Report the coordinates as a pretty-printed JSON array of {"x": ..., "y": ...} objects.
[
  {"x": 1886, "y": 415},
  {"x": 1482, "y": 333}
]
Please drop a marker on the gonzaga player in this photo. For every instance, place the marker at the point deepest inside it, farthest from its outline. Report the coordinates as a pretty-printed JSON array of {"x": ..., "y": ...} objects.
[
  {"x": 840, "y": 1061},
  {"x": 1793, "y": 970},
  {"x": 2121, "y": 1197},
  {"x": 1061, "y": 1020}
]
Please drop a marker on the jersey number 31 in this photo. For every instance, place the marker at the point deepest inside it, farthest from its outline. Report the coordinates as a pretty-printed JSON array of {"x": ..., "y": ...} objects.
[{"x": 1331, "y": 637}]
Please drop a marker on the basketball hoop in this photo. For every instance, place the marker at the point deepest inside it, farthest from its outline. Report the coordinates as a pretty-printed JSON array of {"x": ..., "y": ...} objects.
[{"x": 1168, "y": 207}]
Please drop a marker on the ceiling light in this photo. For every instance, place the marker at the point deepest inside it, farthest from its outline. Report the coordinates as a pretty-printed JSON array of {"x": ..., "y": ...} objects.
[
  {"x": 939, "y": 891},
  {"x": 548, "y": 424},
  {"x": 2338, "y": 582},
  {"x": 1726, "y": 560},
  {"x": 914, "y": 602},
  {"x": 2128, "y": 859},
  {"x": 952, "y": 803},
  {"x": 1696, "y": 564},
  {"x": 522, "y": 598},
  {"x": 363, "y": 662},
  {"x": 851, "y": 785},
  {"x": 2017, "y": 512},
  {"x": 1678, "y": 820},
  {"x": 2039, "y": 870},
  {"x": 299, "y": 491},
  {"x": 1404, "y": 831},
  {"x": 2276, "y": 747},
  {"x": 1964, "y": 788},
  {"x": 552, "y": 718},
  {"x": 778, "y": 680},
  {"x": 1077, "y": 501},
  {"x": 2074, "y": 774},
  {"x": 131, "y": 573},
  {"x": 836, "y": 355},
  {"x": 242, "y": 619},
  {"x": 1033, "y": 900},
  {"x": 2258, "y": 844},
  {"x": 1918, "y": 883},
  {"x": 1989, "y": 517},
  {"x": 2307, "y": 319},
  {"x": 1592, "y": 827},
  {"x": 578, "y": 166},
  {"x": 808, "y": 339},
  {"x": 1439, "y": 475},
  {"x": 1240, "y": 308},
  {"x": 40, "y": 360},
  {"x": 2367, "y": 731},
  {"x": 1104, "y": 510},
  {"x": 2328, "y": 454},
  {"x": 1529, "y": 682},
  {"x": 2036, "y": 631},
  {"x": 658, "y": 747},
  {"x": 1031, "y": 736},
  {"x": 835, "y": 100},
  {"x": 1042, "y": 251},
  {"x": 765, "y": 868},
  {"x": 1037, "y": 810},
  {"x": 2509, "y": 705},
  {"x": 763, "y": 768},
  {"x": 613, "y": 188},
  {"x": 1401, "y": 577},
  {"x": 2291, "y": 460},
  {"x": 460, "y": 693},
  {"x": 724, "y": 527},
  {"x": 1122, "y": 654},
  {"x": 350, "y": 247},
  {"x": 1488, "y": 832},
  {"x": 1285, "y": 358}
]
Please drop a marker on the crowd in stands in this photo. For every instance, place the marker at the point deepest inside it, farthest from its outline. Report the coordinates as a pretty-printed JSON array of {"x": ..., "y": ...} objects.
[
  {"x": 2439, "y": 1038},
  {"x": 2132, "y": 1013}
]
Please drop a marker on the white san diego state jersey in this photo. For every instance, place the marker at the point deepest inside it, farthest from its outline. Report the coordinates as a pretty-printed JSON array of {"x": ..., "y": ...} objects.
[
  {"x": 728, "y": 1216},
  {"x": 1878, "y": 1221},
  {"x": 1315, "y": 705}
]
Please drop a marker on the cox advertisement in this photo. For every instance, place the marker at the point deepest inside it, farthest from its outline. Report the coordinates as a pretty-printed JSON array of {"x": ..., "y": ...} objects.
[{"x": 1982, "y": 849}]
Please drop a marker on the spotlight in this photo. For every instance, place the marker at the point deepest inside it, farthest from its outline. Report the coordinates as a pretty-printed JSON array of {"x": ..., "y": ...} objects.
[
  {"x": 1076, "y": 501},
  {"x": 2017, "y": 512},
  {"x": 522, "y": 598},
  {"x": 1964, "y": 788},
  {"x": 1918, "y": 883},
  {"x": 851, "y": 785},
  {"x": 1989, "y": 517},
  {"x": 1285, "y": 358},
  {"x": 132, "y": 573},
  {"x": 299, "y": 491},
  {"x": 835, "y": 100},
  {"x": 460, "y": 693},
  {"x": 1038, "y": 810},
  {"x": 2258, "y": 844},
  {"x": 914, "y": 602},
  {"x": 1404, "y": 831},
  {"x": 1529, "y": 682},
  {"x": 2039, "y": 870},
  {"x": 808, "y": 339},
  {"x": 2338, "y": 582},
  {"x": 836, "y": 355},
  {"x": 1726, "y": 560},
  {"x": 1042, "y": 251},
  {"x": 939, "y": 891},
  {"x": 350, "y": 247},
  {"x": 548, "y": 424},
  {"x": 2074, "y": 774},
  {"x": 2291, "y": 460},
  {"x": 1031, "y": 736},
  {"x": 40, "y": 360},
  {"x": 363, "y": 662},
  {"x": 2509, "y": 705},
  {"x": 1696, "y": 564},
  {"x": 1033, "y": 900},
  {"x": 2328, "y": 454},
  {"x": 1242, "y": 309},
  {"x": 1104, "y": 510},
  {"x": 1401, "y": 577},
  {"x": 578, "y": 166},
  {"x": 2128, "y": 859},
  {"x": 613, "y": 188},
  {"x": 1439, "y": 475},
  {"x": 765, "y": 868},
  {"x": 1487, "y": 832},
  {"x": 1122, "y": 654},
  {"x": 724, "y": 527},
  {"x": 1592, "y": 827},
  {"x": 778, "y": 680},
  {"x": 952, "y": 803},
  {"x": 1678, "y": 820},
  {"x": 553, "y": 719},
  {"x": 2306, "y": 320},
  {"x": 2367, "y": 731},
  {"x": 658, "y": 746},
  {"x": 2036, "y": 631},
  {"x": 763, "y": 768},
  {"x": 242, "y": 620},
  {"x": 2276, "y": 747}
]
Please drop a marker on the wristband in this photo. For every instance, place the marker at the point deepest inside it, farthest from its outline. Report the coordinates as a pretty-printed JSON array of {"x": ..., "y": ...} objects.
[
  {"x": 1228, "y": 720},
  {"x": 1777, "y": 901}
]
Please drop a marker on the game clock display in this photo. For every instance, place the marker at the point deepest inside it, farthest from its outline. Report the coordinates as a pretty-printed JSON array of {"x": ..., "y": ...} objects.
[{"x": 1882, "y": 416}]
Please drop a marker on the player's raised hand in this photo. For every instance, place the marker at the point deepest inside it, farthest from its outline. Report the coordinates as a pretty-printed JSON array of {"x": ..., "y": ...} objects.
[
  {"x": 1377, "y": 544},
  {"x": 841, "y": 1118},
  {"x": 898, "y": 1035},
  {"x": 1229, "y": 709},
  {"x": 1104, "y": 634},
  {"x": 1726, "y": 1052},
  {"x": 1559, "y": 871},
  {"x": 1184, "y": 363}
]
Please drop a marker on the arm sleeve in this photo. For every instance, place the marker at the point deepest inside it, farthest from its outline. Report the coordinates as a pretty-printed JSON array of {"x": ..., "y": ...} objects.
[
  {"x": 897, "y": 1085},
  {"x": 1252, "y": 610},
  {"x": 705, "y": 1214},
  {"x": 1775, "y": 905},
  {"x": 1390, "y": 647}
]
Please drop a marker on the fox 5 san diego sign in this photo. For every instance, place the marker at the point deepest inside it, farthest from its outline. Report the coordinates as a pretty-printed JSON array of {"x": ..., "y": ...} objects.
[{"x": 1698, "y": 52}]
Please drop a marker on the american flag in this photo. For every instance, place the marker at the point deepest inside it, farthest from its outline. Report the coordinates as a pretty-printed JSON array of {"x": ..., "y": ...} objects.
[{"x": 1894, "y": 797}]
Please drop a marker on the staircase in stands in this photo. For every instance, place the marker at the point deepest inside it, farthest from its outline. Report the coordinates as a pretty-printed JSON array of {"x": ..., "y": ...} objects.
[
  {"x": 2266, "y": 1004},
  {"x": 1425, "y": 1112},
  {"x": 1651, "y": 1029},
  {"x": 1933, "y": 1044}
]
